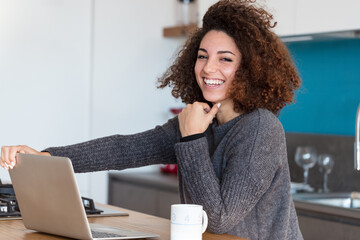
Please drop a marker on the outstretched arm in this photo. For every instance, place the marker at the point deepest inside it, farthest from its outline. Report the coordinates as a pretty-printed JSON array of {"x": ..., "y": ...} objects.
[
  {"x": 118, "y": 152},
  {"x": 114, "y": 152}
]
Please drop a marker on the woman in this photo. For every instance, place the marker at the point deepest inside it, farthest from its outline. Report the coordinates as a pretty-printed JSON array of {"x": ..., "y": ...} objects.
[{"x": 235, "y": 76}]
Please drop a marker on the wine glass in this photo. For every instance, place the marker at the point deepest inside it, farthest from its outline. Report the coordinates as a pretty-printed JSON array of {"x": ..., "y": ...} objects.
[
  {"x": 305, "y": 157},
  {"x": 326, "y": 163}
]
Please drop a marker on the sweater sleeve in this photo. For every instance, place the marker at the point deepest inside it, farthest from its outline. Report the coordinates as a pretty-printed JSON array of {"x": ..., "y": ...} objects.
[
  {"x": 123, "y": 151},
  {"x": 253, "y": 157}
]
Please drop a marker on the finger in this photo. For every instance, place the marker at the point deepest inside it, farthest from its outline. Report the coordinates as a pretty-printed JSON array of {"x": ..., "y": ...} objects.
[
  {"x": 27, "y": 150},
  {"x": 207, "y": 109},
  {"x": 214, "y": 110},
  {"x": 5, "y": 155},
  {"x": 204, "y": 106},
  {"x": 6, "y": 166},
  {"x": 12, "y": 155},
  {"x": 2, "y": 160},
  {"x": 2, "y": 165}
]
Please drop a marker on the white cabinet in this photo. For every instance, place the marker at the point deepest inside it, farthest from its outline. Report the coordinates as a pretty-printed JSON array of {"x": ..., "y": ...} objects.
[
  {"x": 282, "y": 10},
  {"x": 327, "y": 15},
  {"x": 296, "y": 17},
  {"x": 284, "y": 14}
]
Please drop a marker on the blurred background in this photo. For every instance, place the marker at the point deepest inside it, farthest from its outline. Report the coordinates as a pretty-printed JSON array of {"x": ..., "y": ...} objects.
[{"x": 71, "y": 71}]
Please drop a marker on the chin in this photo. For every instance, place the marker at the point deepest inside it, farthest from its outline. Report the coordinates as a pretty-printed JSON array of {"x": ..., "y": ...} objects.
[{"x": 213, "y": 99}]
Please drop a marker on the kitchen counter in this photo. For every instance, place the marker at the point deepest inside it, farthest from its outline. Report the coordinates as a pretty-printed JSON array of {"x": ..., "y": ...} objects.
[
  {"x": 162, "y": 181},
  {"x": 128, "y": 190},
  {"x": 303, "y": 205},
  {"x": 316, "y": 221},
  {"x": 168, "y": 182},
  {"x": 15, "y": 230},
  {"x": 321, "y": 220}
]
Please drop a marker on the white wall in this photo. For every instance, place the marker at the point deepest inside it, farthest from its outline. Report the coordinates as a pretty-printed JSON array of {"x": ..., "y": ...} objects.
[
  {"x": 75, "y": 70},
  {"x": 129, "y": 54},
  {"x": 44, "y": 72}
]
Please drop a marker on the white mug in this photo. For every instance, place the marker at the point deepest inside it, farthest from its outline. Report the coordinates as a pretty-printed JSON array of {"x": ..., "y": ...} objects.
[{"x": 188, "y": 221}]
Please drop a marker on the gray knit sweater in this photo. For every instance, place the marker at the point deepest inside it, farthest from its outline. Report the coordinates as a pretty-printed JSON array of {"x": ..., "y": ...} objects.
[{"x": 238, "y": 171}]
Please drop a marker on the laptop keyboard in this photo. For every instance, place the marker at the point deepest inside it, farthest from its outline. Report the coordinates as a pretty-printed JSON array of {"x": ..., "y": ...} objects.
[{"x": 97, "y": 234}]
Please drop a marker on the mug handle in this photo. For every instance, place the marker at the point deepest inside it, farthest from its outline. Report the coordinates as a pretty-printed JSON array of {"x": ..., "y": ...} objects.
[{"x": 205, "y": 221}]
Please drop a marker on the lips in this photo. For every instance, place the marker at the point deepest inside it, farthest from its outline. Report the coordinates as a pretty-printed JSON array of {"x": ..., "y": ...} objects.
[{"x": 213, "y": 82}]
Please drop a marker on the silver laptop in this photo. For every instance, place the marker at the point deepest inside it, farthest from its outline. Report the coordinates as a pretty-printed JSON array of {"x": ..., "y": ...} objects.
[{"x": 50, "y": 202}]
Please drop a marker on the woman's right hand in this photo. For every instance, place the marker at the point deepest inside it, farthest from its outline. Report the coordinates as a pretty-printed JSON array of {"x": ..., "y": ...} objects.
[
  {"x": 196, "y": 118},
  {"x": 8, "y": 154}
]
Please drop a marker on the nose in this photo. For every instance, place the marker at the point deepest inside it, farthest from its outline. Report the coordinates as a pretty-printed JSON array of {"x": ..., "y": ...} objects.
[{"x": 210, "y": 66}]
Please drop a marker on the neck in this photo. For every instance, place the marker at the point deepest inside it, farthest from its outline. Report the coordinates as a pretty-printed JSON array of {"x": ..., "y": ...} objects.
[{"x": 226, "y": 112}]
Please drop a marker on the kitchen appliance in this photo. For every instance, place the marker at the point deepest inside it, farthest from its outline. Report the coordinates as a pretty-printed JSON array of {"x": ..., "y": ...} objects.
[
  {"x": 9, "y": 209},
  {"x": 8, "y": 205}
]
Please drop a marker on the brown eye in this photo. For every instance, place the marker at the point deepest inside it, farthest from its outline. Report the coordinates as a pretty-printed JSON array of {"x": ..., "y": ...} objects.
[{"x": 227, "y": 59}]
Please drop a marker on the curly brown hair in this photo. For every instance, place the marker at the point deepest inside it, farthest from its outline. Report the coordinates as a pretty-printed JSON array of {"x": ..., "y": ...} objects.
[{"x": 266, "y": 77}]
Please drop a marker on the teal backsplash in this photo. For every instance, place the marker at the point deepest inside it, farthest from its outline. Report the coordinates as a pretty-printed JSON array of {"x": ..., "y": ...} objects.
[{"x": 330, "y": 93}]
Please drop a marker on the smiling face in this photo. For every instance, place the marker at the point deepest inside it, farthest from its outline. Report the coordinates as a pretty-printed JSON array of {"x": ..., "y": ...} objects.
[{"x": 217, "y": 62}]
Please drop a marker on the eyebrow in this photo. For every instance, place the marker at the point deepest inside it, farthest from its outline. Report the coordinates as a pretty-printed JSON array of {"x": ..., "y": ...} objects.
[{"x": 219, "y": 52}]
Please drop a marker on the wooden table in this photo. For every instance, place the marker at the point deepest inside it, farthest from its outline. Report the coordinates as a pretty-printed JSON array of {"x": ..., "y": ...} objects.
[{"x": 15, "y": 230}]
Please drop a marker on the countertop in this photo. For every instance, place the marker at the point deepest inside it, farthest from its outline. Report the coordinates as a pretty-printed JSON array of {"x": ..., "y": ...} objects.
[
  {"x": 15, "y": 230},
  {"x": 169, "y": 182},
  {"x": 326, "y": 212}
]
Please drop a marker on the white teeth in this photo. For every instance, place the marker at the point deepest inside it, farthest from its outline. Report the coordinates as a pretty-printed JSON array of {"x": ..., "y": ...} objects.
[{"x": 213, "y": 81}]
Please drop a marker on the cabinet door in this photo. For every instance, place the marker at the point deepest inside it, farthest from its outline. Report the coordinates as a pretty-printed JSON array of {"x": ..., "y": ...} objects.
[
  {"x": 326, "y": 15},
  {"x": 165, "y": 200},
  {"x": 284, "y": 14},
  {"x": 282, "y": 10},
  {"x": 133, "y": 197},
  {"x": 314, "y": 229}
]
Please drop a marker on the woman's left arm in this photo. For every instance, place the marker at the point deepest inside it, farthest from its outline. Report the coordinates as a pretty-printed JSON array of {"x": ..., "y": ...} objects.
[{"x": 253, "y": 159}]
